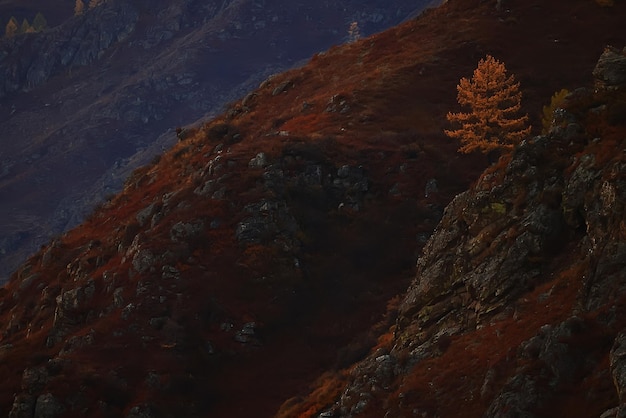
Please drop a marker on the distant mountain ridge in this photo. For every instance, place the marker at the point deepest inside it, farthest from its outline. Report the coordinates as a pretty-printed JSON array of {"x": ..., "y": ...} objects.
[{"x": 85, "y": 102}]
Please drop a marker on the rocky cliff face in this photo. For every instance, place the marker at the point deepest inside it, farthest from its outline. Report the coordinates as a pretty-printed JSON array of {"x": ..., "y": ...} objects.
[
  {"x": 85, "y": 102},
  {"x": 521, "y": 285}
]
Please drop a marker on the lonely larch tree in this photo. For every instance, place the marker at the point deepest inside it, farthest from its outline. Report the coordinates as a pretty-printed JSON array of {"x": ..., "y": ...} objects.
[{"x": 494, "y": 121}]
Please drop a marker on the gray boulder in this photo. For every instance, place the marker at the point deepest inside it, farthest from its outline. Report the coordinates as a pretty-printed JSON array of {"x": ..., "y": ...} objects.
[
  {"x": 48, "y": 406},
  {"x": 610, "y": 71}
]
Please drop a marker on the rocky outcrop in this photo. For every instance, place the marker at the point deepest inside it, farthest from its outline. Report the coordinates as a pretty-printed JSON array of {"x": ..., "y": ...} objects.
[
  {"x": 611, "y": 68},
  {"x": 72, "y": 310},
  {"x": 554, "y": 207},
  {"x": 547, "y": 359},
  {"x": 618, "y": 370},
  {"x": 488, "y": 249}
]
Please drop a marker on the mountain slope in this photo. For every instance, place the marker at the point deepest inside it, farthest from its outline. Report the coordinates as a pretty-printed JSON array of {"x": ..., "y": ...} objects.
[
  {"x": 517, "y": 308},
  {"x": 87, "y": 101},
  {"x": 269, "y": 245}
]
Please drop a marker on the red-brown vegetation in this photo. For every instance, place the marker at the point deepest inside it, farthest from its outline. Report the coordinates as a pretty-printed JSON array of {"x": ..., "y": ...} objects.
[
  {"x": 379, "y": 103},
  {"x": 494, "y": 99}
]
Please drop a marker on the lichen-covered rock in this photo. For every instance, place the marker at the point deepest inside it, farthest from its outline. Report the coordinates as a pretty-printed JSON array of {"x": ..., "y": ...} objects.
[
  {"x": 144, "y": 260},
  {"x": 487, "y": 248},
  {"x": 76, "y": 342},
  {"x": 372, "y": 378},
  {"x": 23, "y": 406},
  {"x": 248, "y": 334},
  {"x": 610, "y": 71},
  {"x": 547, "y": 361},
  {"x": 48, "y": 406},
  {"x": 146, "y": 213},
  {"x": 351, "y": 184},
  {"x": 72, "y": 308},
  {"x": 142, "y": 411},
  {"x": 268, "y": 220},
  {"x": 185, "y": 231},
  {"x": 34, "y": 379},
  {"x": 618, "y": 368},
  {"x": 259, "y": 161}
]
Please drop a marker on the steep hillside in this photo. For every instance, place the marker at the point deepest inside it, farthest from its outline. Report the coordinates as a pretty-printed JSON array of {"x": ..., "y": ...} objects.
[
  {"x": 517, "y": 307},
  {"x": 95, "y": 96},
  {"x": 266, "y": 255}
]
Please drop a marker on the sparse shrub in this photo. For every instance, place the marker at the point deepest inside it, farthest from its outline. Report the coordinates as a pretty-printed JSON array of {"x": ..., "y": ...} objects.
[
  {"x": 79, "y": 8},
  {"x": 494, "y": 98},
  {"x": 548, "y": 111},
  {"x": 354, "y": 33}
]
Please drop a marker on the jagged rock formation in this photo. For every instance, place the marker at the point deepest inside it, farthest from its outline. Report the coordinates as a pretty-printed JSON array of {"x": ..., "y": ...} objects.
[{"x": 526, "y": 271}]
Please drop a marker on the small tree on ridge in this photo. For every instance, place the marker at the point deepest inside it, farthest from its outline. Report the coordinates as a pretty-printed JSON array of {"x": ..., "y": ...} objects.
[
  {"x": 354, "y": 33},
  {"x": 12, "y": 28},
  {"x": 26, "y": 27},
  {"x": 494, "y": 98},
  {"x": 79, "y": 8},
  {"x": 39, "y": 22}
]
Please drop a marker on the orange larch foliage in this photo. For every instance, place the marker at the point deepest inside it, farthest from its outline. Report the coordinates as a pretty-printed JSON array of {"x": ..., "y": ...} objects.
[{"x": 495, "y": 101}]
